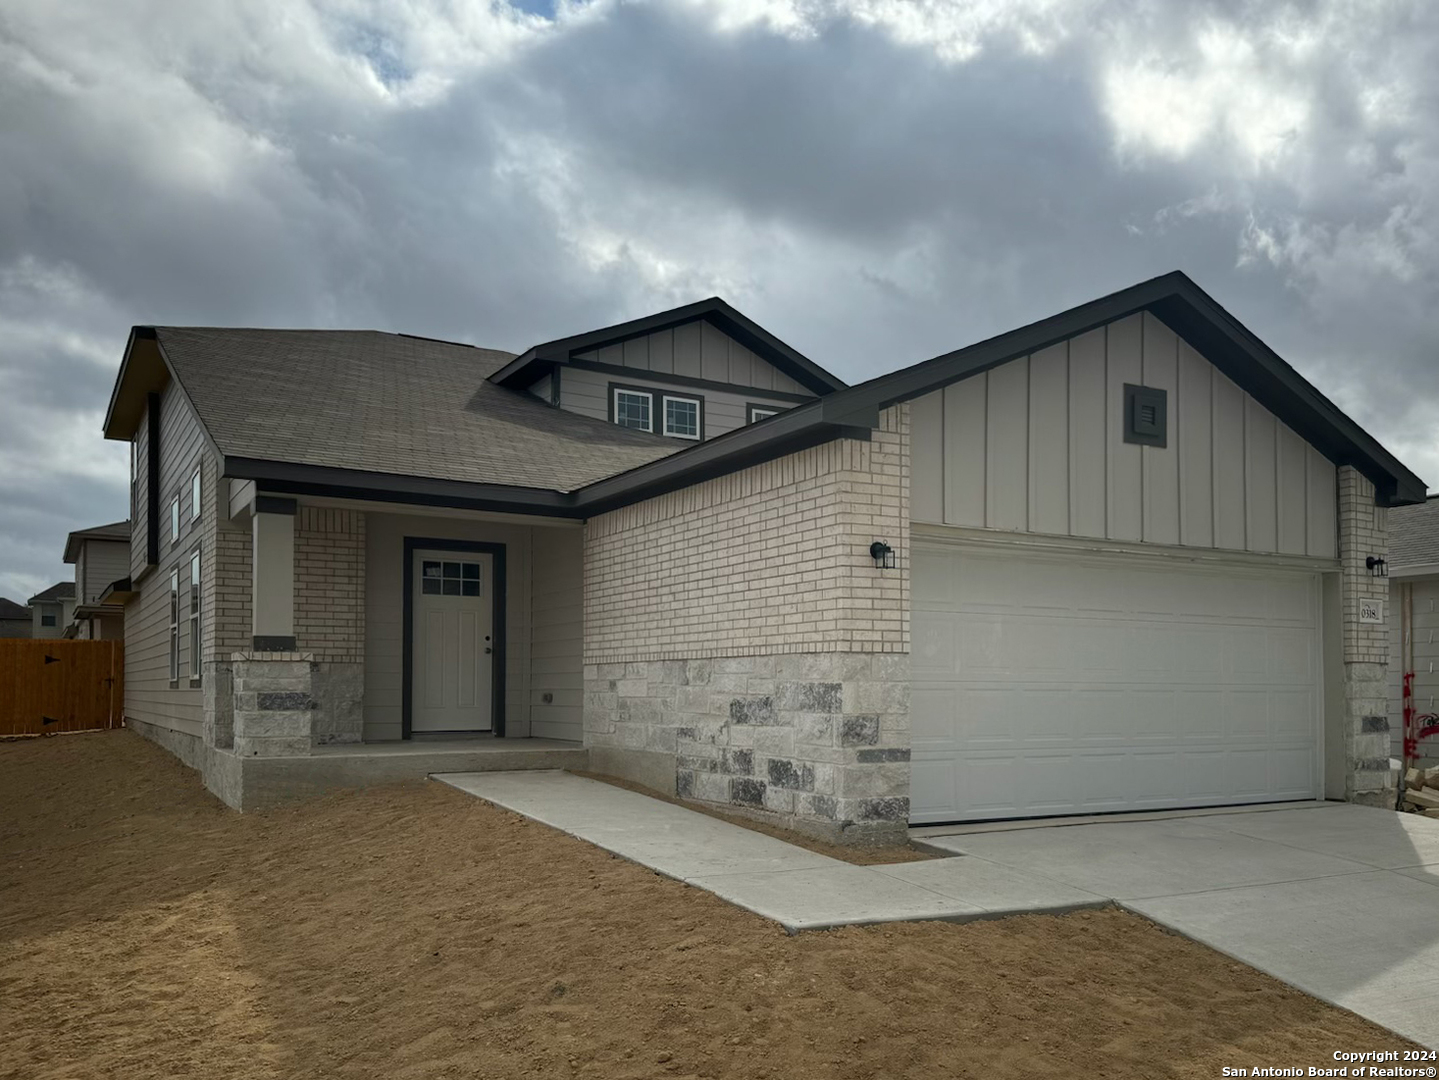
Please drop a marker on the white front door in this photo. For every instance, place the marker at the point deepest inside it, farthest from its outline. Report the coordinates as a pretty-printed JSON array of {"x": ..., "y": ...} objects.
[
  {"x": 1058, "y": 683},
  {"x": 453, "y": 645}
]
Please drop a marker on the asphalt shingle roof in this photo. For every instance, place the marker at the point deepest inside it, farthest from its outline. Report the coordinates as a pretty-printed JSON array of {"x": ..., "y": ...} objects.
[
  {"x": 389, "y": 403},
  {"x": 1414, "y": 534},
  {"x": 11, "y": 610},
  {"x": 61, "y": 590}
]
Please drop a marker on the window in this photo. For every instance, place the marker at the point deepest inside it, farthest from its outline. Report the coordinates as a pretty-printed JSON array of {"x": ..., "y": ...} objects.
[
  {"x": 175, "y": 623},
  {"x": 195, "y": 618},
  {"x": 134, "y": 477},
  {"x": 195, "y": 495},
  {"x": 682, "y": 417},
  {"x": 632, "y": 409},
  {"x": 756, "y": 413},
  {"x": 174, "y": 519},
  {"x": 47, "y": 618},
  {"x": 449, "y": 578}
]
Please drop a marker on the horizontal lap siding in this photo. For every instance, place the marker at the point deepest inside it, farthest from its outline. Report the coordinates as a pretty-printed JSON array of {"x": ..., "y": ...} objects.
[
  {"x": 105, "y": 561},
  {"x": 587, "y": 393},
  {"x": 148, "y": 694},
  {"x": 1037, "y": 445}
]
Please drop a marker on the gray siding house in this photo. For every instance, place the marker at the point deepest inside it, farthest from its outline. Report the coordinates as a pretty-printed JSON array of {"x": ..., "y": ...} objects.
[
  {"x": 52, "y": 609},
  {"x": 15, "y": 619},
  {"x": 101, "y": 557},
  {"x": 1114, "y": 560}
]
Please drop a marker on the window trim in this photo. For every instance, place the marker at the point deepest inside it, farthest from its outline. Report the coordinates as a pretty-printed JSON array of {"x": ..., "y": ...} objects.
[
  {"x": 753, "y": 407},
  {"x": 174, "y": 626},
  {"x": 699, "y": 404},
  {"x": 175, "y": 519},
  {"x": 196, "y": 672},
  {"x": 620, "y": 388},
  {"x": 195, "y": 493},
  {"x": 53, "y": 616}
]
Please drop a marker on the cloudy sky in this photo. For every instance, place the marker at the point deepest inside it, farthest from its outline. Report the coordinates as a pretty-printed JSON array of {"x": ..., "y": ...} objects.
[{"x": 876, "y": 181}]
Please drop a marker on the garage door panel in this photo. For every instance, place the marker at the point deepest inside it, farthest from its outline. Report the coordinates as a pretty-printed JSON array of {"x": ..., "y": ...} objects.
[{"x": 1097, "y": 683}]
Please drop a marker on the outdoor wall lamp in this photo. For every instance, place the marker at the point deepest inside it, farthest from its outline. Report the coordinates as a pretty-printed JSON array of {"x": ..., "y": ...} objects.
[
  {"x": 1376, "y": 566},
  {"x": 882, "y": 554}
]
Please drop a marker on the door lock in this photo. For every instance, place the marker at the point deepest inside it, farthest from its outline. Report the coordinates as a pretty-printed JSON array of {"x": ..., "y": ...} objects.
[{"x": 488, "y": 649}]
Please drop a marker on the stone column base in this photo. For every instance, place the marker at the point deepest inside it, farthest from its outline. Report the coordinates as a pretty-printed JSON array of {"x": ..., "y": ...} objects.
[
  {"x": 273, "y": 707},
  {"x": 1369, "y": 778}
]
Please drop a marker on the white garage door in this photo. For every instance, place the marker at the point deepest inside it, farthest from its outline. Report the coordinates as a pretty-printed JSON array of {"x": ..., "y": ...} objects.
[{"x": 1061, "y": 683}]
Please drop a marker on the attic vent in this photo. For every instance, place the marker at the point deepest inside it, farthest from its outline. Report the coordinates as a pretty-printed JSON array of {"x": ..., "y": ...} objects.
[{"x": 1146, "y": 419}]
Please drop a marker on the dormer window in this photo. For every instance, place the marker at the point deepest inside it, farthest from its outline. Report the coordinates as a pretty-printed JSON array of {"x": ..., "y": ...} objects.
[
  {"x": 682, "y": 417},
  {"x": 634, "y": 409}
]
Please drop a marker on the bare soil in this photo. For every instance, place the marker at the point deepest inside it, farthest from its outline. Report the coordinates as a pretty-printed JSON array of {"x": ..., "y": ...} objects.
[
  {"x": 860, "y": 856},
  {"x": 412, "y": 931}
]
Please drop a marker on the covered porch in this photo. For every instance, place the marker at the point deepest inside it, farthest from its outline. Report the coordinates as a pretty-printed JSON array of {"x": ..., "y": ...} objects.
[{"x": 359, "y": 642}]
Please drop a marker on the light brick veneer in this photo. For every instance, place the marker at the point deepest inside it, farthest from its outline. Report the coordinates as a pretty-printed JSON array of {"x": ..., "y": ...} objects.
[
  {"x": 1364, "y": 531},
  {"x": 741, "y": 647}
]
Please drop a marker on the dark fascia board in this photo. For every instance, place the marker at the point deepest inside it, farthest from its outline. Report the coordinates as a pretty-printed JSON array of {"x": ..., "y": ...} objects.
[
  {"x": 142, "y": 370},
  {"x": 534, "y": 362},
  {"x": 289, "y": 478},
  {"x": 102, "y": 533},
  {"x": 1213, "y": 332}
]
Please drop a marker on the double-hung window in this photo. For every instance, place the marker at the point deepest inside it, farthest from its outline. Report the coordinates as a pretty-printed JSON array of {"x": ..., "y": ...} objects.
[
  {"x": 634, "y": 409},
  {"x": 195, "y": 494},
  {"x": 682, "y": 417},
  {"x": 175, "y": 625},
  {"x": 175, "y": 519},
  {"x": 195, "y": 619}
]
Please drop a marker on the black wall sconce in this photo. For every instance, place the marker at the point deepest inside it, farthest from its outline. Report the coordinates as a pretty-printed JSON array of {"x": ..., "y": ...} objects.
[
  {"x": 882, "y": 554},
  {"x": 1376, "y": 566}
]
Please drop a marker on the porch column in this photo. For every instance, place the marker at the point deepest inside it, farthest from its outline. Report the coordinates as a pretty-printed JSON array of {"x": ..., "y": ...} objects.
[
  {"x": 272, "y": 590},
  {"x": 273, "y": 706},
  {"x": 1364, "y": 533}
]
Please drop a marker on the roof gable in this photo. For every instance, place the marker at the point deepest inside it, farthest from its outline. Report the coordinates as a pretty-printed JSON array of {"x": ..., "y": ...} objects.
[
  {"x": 1214, "y": 333},
  {"x": 692, "y": 320}
]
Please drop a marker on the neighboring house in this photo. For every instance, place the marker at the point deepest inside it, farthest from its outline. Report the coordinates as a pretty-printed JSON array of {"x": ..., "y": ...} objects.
[
  {"x": 1413, "y": 615},
  {"x": 101, "y": 557},
  {"x": 15, "y": 619},
  {"x": 51, "y": 610},
  {"x": 1113, "y": 560}
]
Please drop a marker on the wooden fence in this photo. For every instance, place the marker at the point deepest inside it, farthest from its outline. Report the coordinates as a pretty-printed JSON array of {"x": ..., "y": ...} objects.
[{"x": 60, "y": 685}]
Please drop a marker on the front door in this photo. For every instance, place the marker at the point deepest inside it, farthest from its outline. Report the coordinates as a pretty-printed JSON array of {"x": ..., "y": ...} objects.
[{"x": 453, "y": 658}]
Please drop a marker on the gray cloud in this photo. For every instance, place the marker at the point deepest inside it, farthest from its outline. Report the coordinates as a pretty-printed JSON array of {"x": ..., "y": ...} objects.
[{"x": 876, "y": 181}]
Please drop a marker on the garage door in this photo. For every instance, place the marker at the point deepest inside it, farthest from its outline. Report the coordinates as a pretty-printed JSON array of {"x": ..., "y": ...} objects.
[{"x": 1061, "y": 683}]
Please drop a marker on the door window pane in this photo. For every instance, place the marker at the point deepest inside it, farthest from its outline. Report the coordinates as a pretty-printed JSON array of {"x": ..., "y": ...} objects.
[{"x": 452, "y": 586}]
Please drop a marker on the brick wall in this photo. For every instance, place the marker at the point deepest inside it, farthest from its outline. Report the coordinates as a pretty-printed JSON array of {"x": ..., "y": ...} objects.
[
  {"x": 1363, "y": 531},
  {"x": 770, "y": 560},
  {"x": 225, "y": 583},
  {"x": 741, "y": 647},
  {"x": 330, "y": 584}
]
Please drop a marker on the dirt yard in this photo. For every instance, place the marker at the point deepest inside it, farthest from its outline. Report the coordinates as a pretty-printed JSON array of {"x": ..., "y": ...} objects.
[{"x": 412, "y": 931}]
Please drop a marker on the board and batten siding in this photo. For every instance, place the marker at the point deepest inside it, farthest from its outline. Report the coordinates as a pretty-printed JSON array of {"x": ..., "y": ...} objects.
[
  {"x": 1037, "y": 445},
  {"x": 697, "y": 350},
  {"x": 149, "y": 696},
  {"x": 587, "y": 393},
  {"x": 543, "y": 605}
]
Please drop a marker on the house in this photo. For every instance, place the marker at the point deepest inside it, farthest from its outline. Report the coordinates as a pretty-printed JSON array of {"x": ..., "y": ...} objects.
[
  {"x": 101, "y": 557},
  {"x": 52, "y": 609},
  {"x": 1113, "y": 560},
  {"x": 15, "y": 619},
  {"x": 1412, "y": 617}
]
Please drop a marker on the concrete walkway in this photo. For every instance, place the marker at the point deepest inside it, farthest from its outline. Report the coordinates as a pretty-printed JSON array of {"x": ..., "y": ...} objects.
[
  {"x": 1340, "y": 901},
  {"x": 796, "y": 888}
]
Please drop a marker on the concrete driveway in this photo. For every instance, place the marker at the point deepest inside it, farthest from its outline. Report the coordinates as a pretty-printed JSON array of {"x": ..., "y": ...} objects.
[{"x": 1340, "y": 901}]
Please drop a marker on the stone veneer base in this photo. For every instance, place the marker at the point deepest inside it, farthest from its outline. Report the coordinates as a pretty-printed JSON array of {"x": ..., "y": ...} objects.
[{"x": 819, "y": 742}]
